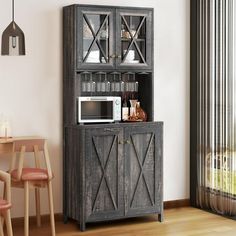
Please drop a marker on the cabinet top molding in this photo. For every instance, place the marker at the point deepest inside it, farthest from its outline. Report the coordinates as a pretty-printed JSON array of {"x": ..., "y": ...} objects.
[
  {"x": 108, "y": 6},
  {"x": 115, "y": 125}
]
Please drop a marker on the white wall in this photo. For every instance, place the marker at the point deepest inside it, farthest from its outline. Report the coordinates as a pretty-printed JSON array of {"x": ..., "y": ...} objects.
[{"x": 31, "y": 86}]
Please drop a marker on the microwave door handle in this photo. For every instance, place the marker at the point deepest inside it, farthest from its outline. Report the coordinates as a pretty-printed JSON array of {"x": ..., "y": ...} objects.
[{"x": 98, "y": 99}]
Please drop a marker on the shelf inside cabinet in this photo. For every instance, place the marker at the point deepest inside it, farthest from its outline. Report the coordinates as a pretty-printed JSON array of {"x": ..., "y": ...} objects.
[
  {"x": 129, "y": 39},
  {"x": 90, "y": 38}
]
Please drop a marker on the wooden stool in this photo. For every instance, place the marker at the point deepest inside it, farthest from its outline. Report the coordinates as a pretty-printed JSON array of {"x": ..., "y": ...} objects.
[
  {"x": 5, "y": 204},
  {"x": 36, "y": 177}
]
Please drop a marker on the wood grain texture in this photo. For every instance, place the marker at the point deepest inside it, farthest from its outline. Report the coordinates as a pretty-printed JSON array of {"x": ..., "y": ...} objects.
[
  {"x": 143, "y": 169},
  {"x": 73, "y": 32},
  {"x": 102, "y": 11},
  {"x": 148, "y": 14},
  {"x": 95, "y": 183},
  {"x": 178, "y": 222},
  {"x": 72, "y": 53},
  {"x": 33, "y": 146},
  {"x": 5, "y": 148},
  {"x": 97, "y": 158},
  {"x": 59, "y": 216},
  {"x": 104, "y": 173},
  {"x": 69, "y": 65},
  {"x": 5, "y": 212},
  {"x": 72, "y": 175}
]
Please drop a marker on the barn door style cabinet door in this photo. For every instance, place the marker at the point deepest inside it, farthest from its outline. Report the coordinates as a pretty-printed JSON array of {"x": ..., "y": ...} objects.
[
  {"x": 111, "y": 37},
  {"x": 104, "y": 173},
  {"x": 120, "y": 172},
  {"x": 143, "y": 163}
]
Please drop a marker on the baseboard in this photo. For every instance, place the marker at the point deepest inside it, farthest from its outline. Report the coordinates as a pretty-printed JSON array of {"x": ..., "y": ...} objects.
[
  {"x": 176, "y": 203},
  {"x": 59, "y": 217}
]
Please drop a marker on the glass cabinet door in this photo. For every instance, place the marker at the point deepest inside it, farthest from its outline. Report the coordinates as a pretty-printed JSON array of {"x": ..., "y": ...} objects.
[
  {"x": 95, "y": 38},
  {"x": 134, "y": 34}
]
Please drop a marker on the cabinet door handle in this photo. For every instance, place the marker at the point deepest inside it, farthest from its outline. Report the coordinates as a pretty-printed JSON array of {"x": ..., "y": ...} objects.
[
  {"x": 113, "y": 56},
  {"x": 110, "y": 129},
  {"x": 126, "y": 142}
]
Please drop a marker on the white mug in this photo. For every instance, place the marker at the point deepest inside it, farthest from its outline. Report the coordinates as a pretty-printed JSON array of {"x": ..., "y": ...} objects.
[{"x": 130, "y": 56}]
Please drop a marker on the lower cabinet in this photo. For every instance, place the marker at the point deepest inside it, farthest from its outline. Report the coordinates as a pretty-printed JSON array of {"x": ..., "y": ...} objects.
[{"x": 113, "y": 171}]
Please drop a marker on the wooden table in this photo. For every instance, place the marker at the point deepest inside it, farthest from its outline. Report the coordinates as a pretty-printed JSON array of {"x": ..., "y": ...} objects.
[{"x": 6, "y": 144}]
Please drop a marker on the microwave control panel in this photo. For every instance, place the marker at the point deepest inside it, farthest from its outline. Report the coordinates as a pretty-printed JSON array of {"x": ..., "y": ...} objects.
[{"x": 117, "y": 109}]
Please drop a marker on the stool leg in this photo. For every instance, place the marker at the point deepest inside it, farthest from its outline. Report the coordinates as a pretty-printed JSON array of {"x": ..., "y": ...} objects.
[
  {"x": 37, "y": 202},
  {"x": 4, "y": 190},
  {"x": 8, "y": 223},
  {"x": 50, "y": 197},
  {"x": 4, "y": 197},
  {"x": 1, "y": 226},
  {"x": 26, "y": 226}
]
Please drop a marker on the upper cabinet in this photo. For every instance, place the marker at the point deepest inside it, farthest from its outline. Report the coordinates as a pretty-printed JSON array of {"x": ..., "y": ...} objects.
[
  {"x": 113, "y": 38},
  {"x": 95, "y": 38},
  {"x": 134, "y": 38}
]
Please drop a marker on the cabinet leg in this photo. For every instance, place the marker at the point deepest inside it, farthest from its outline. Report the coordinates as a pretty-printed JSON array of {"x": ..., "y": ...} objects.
[
  {"x": 82, "y": 226},
  {"x": 65, "y": 219},
  {"x": 160, "y": 217}
]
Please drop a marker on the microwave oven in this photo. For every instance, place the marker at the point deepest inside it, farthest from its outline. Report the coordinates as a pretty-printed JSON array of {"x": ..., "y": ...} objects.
[{"x": 99, "y": 109}]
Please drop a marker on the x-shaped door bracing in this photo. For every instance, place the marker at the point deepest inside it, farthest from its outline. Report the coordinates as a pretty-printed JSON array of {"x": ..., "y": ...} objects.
[
  {"x": 142, "y": 174},
  {"x": 95, "y": 37},
  {"x": 104, "y": 176},
  {"x": 133, "y": 38}
]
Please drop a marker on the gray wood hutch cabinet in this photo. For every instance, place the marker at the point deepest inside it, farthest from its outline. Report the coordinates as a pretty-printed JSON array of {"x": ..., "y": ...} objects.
[{"x": 114, "y": 170}]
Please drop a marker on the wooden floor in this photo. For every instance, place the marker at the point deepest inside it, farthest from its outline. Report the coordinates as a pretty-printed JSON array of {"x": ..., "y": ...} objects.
[{"x": 178, "y": 222}]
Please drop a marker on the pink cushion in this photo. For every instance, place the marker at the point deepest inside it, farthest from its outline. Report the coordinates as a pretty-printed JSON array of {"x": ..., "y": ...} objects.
[
  {"x": 31, "y": 174},
  {"x": 4, "y": 205}
]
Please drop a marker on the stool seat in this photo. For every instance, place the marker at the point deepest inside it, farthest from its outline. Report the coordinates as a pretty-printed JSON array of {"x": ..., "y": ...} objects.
[
  {"x": 31, "y": 174},
  {"x": 4, "y": 205},
  {"x": 40, "y": 176}
]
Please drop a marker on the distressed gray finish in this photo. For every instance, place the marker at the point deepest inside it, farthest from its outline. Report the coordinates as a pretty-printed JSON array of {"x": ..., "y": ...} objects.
[
  {"x": 110, "y": 171},
  {"x": 72, "y": 51},
  {"x": 114, "y": 14},
  {"x": 70, "y": 88},
  {"x": 104, "y": 173},
  {"x": 83, "y": 10},
  {"x": 113, "y": 171},
  {"x": 143, "y": 156},
  {"x": 147, "y": 15}
]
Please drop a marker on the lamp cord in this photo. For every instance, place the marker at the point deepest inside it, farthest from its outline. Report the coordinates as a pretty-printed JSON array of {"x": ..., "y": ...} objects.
[{"x": 13, "y": 10}]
